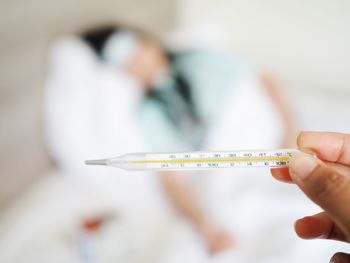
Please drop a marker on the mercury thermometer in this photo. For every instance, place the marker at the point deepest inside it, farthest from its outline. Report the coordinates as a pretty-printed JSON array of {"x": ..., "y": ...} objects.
[{"x": 200, "y": 160}]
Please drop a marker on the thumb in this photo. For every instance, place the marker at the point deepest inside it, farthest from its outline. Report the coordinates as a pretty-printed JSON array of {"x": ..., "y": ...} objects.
[
  {"x": 340, "y": 258},
  {"x": 325, "y": 186}
]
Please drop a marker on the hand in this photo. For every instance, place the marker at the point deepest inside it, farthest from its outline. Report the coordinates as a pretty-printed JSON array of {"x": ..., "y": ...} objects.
[
  {"x": 218, "y": 239},
  {"x": 326, "y": 181}
]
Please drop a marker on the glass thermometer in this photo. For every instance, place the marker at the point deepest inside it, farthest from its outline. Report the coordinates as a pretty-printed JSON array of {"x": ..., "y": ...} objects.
[{"x": 200, "y": 160}]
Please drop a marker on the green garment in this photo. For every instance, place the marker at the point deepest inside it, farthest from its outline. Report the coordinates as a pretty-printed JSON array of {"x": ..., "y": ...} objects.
[{"x": 209, "y": 77}]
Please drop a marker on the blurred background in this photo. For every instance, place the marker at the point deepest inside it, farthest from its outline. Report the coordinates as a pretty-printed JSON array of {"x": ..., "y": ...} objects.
[{"x": 305, "y": 44}]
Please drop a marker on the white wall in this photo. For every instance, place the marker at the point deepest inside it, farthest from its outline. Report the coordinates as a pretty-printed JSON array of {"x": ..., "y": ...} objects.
[{"x": 306, "y": 43}]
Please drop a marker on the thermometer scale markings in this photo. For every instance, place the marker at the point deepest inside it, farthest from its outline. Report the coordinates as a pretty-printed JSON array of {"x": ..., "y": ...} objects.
[
  {"x": 219, "y": 160},
  {"x": 200, "y": 160},
  {"x": 215, "y": 159}
]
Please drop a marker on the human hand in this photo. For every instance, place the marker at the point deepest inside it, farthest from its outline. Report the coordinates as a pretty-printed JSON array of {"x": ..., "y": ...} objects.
[
  {"x": 326, "y": 181},
  {"x": 217, "y": 238}
]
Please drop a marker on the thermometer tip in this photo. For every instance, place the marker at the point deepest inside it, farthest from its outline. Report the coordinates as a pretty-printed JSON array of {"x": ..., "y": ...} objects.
[{"x": 97, "y": 162}]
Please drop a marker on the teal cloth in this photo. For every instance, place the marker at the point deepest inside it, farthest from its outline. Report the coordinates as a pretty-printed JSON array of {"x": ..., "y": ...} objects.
[{"x": 210, "y": 75}]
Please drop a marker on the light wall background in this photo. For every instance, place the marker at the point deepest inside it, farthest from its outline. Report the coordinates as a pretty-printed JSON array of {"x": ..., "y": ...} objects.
[{"x": 306, "y": 44}]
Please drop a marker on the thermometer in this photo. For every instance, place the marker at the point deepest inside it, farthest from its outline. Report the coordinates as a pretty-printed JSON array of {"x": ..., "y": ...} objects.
[{"x": 200, "y": 160}]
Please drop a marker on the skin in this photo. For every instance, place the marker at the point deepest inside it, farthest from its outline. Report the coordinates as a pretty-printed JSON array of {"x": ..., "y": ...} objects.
[
  {"x": 182, "y": 197},
  {"x": 327, "y": 184},
  {"x": 148, "y": 65},
  {"x": 273, "y": 89}
]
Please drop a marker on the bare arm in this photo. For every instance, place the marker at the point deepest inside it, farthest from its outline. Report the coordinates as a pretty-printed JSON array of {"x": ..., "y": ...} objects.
[
  {"x": 183, "y": 198},
  {"x": 274, "y": 90},
  {"x": 187, "y": 204}
]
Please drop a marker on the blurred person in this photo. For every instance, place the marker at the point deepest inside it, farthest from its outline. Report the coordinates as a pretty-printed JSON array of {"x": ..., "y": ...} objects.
[
  {"x": 183, "y": 94},
  {"x": 189, "y": 100}
]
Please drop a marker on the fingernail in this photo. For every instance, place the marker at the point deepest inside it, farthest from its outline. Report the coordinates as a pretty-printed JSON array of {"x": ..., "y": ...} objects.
[{"x": 301, "y": 166}]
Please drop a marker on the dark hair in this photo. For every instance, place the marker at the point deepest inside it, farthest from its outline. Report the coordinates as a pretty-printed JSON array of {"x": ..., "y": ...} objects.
[{"x": 97, "y": 37}]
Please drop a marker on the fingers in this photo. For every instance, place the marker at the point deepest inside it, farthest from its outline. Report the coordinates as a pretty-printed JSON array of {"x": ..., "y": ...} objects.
[
  {"x": 281, "y": 174},
  {"x": 318, "y": 226},
  {"x": 217, "y": 239},
  {"x": 333, "y": 148},
  {"x": 325, "y": 186},
  {"x": 340, "y": 258},
  {"x": 329, "y": 146},
  {"x": 220, "y": 243},
  {"x": 342, "y": 169}
]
